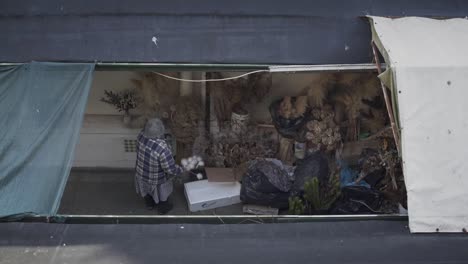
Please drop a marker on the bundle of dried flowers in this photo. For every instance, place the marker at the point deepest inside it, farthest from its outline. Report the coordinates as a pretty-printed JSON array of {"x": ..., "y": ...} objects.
[{"x": 322, "y": 132}]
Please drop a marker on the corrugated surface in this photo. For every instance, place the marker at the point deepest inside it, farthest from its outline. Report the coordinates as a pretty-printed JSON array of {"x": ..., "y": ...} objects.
[
  {"x": 207, "y": 31},
  {"x": 322, "y": 242}
]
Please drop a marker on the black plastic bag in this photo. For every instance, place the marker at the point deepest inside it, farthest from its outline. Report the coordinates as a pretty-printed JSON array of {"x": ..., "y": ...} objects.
[
  {"x": 288, "y": 128},
  {"x": 278, "y": 200},
  {"x": 193, "y": 174},
  {"x": 314, "y": 165},
  {"x": 267, "y": 182},
  {"x": 358, "y": 200}
]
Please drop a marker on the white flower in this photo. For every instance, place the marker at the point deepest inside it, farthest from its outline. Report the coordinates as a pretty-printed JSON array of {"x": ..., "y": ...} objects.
[{"x": 199, "y": 176}]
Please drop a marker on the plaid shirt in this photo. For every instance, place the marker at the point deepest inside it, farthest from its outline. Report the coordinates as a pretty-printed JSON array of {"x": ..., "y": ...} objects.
[{"x": 154, "y": 160}]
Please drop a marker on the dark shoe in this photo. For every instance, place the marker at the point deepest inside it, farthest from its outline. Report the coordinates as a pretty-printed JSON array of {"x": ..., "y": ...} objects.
[
  {"x": 164, "y": 207},
  {"x": 149, "y": 202}
]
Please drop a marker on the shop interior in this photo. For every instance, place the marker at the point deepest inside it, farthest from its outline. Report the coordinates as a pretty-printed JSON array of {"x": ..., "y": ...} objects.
[{"x": 295, "y": 143}]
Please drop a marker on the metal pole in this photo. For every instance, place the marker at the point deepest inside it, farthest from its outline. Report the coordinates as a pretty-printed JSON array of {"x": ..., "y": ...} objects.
[{"x": 396, "y": 135}]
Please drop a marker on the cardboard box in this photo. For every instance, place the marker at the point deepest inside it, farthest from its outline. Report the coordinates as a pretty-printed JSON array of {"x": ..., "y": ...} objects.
[
  {"x": 204, "y": 195},
  {"x": 224, "y": 174}
]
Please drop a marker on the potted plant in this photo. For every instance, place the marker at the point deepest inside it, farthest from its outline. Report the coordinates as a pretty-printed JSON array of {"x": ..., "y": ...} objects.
[{"x": 123, "y": 101}]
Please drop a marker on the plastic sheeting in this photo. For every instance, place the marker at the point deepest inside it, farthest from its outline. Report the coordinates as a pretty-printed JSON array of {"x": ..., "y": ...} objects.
[
  {"x": 41, "y": 110},
  {"x": 427, "y": 70}
]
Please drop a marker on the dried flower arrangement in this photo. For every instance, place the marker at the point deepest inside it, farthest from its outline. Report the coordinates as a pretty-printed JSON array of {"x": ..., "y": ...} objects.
[
  {"x": 322, "y": 132},
  {"x": 229, "y": 150},
  {"x": 237, "y": 93},
  {"x": 123, "y": 101}
]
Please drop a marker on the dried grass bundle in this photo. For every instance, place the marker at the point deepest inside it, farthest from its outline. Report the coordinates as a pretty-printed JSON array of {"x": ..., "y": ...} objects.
[
  {"x": 184, "y": 119},
  {"x": 226, "y": 149},
  {"x": 238, "y": 92},
  {"x": 367, "y": 85},
  {"x": 292, "y": 108},
  {"x": 225, "y": 96},
  {"x": 286, "y": 151},
  {"x": 349, "y": 94},
  {"x": 150, "y": 89},
  {"x": 317, "y": 92},
  {"x": 285, "y": 109},
  {"x": 258, "y": 85},
  {"x": 374, "y": 121},
  {"x": 301, "y": 105}
]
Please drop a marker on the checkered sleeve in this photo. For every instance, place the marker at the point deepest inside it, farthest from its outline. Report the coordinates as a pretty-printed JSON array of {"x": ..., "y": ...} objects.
[{"x": 168, "y": 163}]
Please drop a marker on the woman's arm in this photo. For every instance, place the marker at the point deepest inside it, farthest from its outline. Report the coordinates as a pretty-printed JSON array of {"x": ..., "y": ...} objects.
[{"x": 168, "y": 163}]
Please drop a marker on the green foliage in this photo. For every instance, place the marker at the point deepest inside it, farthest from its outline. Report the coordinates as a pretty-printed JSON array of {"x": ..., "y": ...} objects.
[
  {"x": 321, "y": 197},
  {"x": 123, "y": 101},
  {"x": 296, "y": 206},
  {"x": 312, "y": 193}
]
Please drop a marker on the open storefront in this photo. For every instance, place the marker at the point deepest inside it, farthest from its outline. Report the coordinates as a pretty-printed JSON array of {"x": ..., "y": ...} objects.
[{"x": 274, "y": 140}]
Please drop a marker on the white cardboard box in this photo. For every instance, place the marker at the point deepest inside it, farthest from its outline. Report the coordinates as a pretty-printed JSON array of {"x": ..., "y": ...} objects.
[{"x": 204, "y": 195}]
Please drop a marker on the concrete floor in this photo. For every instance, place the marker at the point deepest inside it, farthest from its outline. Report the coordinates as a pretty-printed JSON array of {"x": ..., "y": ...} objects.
[{"x": 112, "y": 192}]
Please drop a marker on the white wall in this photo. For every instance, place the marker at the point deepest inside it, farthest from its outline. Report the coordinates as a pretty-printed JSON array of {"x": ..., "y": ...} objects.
[
  {"x": 101, "y": 143},
  {"x": 102, "y": 133},
  {"x": 107, "y": 80}
]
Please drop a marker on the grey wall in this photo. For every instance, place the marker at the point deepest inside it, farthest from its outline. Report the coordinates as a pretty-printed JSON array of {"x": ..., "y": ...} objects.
[{"x": 204, "y": 31}]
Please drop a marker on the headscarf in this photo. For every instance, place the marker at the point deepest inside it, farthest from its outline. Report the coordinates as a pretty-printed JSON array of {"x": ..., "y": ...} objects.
[{"x": 154, "y": 128}]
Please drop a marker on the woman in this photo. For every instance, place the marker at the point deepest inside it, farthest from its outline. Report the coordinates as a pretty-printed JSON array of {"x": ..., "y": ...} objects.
[{"x": 155, "y": 166}]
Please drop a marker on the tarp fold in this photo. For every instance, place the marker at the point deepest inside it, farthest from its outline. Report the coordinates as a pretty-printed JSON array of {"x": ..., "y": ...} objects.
[
  {"x": 427, "y": 72},
  {"x": 41, "y": 111}
]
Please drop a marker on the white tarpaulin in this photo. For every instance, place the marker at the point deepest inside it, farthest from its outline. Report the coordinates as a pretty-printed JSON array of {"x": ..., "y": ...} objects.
[{"x": 427, "y": 69}]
